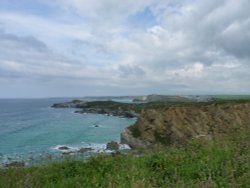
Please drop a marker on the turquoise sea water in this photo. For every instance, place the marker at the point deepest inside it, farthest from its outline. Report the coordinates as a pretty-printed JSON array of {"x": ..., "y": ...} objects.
[{"x": 30, "y": 128}]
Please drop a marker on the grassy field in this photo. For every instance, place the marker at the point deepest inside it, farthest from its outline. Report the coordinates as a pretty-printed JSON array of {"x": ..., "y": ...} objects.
[
  {"x": 230, "y": 97},
  {"x": 222, "y": 163}
]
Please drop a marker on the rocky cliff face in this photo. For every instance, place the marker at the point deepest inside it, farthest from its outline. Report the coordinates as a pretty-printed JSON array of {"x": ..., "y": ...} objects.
[{"x": 179, "y": 124}]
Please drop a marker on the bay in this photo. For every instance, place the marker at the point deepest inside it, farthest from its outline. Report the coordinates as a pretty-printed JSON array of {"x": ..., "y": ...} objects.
[{"x": 30, "y": 128}]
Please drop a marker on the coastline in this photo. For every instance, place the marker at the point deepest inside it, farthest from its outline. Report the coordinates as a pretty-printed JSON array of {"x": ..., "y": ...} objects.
[
  {"x": 117, "y": 109},
  {"x": 78, "y": 131}
]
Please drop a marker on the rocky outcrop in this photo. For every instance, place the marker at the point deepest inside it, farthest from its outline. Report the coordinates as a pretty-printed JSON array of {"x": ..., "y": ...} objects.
[
  {"x": 111, "y": 108},
  {"x": 128, "y": 137},
  {"x": 15, "y": 164},
  {"x": 109, "y": 112},
  {"x": 71, "y": 104},
  {"x": 63, "y": 148},
  {"x": 179, "y": 124},
  {"x": 112, "y": 146},
  {"x": 84, "y": 150}
]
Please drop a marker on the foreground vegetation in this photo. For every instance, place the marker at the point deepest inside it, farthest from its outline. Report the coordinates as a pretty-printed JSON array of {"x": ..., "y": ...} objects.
[{"x": 222, "y": 163}]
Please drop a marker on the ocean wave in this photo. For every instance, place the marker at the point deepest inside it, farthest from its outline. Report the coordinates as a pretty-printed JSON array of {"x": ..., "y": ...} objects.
[
  {"x": 88, "y": 147},
  {"x": 60, "y": 148},
  {"x": 57, "y": 152}
]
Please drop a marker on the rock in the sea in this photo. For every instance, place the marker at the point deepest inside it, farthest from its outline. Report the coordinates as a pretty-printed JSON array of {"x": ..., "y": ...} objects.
[
  {"x": 16, "y": 164},
  {"x": 112, "y": 146},
  {"x": 69, "y": 153},
  {"x": 63, "y": 148},
  {"x": 83, "y": 150}
]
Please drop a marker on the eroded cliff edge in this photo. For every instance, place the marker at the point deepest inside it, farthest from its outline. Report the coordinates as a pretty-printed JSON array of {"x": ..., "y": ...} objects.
[{"x": 179, "y": 124}]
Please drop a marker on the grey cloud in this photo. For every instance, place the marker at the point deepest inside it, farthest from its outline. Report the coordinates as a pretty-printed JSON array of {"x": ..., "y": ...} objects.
[
  {"x": 236, "y": 39},
  {"x": 28, "y": 42},
  {"x": 26, "y": 58},
  {"x": 131, "y": 71},
  {"x": 95, "y": 46},
  {"x": 223, "y": 25}
]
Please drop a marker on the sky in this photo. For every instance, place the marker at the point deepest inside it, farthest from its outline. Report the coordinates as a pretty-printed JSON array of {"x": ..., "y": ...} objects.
[{"x": 67, "y": 48}]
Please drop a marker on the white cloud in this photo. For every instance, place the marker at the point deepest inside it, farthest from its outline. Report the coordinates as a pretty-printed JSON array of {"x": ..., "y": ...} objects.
[
  {"x": 53, "y": 32},
  {"x": 194, "y": 70},
  {"x": 193, "y": 47},
  {"x": 108, "y": 10}
]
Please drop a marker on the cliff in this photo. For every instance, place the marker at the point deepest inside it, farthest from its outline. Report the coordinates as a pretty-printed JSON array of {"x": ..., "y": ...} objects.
[{"x": 179, "y": 124}]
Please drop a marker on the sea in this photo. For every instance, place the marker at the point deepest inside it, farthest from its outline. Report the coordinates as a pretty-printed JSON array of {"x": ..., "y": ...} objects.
[{"x": 32, "y": 131}]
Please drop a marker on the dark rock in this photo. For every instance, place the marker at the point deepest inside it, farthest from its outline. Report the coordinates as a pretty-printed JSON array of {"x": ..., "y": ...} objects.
[
  {"x": 83, "y": 150},
  {"x": 101, "y": 107},
  {"x": 63, "y": 105},
  {"x": 129, "y": 114},
  {"x": 112, "y": 146},
  {"x": 128, "y": 138},
  {"x": 15, "y": 164},
  {"x": 63, "y": 148},
  {"x": 72, "y": 104},
  {"x": 78, "y": 112},
  {"x": 68, "y": 153},
  {"x": 76, "y": 101}
]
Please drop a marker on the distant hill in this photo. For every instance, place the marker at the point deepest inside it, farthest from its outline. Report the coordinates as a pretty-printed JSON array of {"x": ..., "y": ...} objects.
[{"x": 168, "y": 98}]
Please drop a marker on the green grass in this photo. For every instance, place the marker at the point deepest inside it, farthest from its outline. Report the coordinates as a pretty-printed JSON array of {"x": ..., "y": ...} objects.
[
  {"x": 222, "y": 163},
  {"x": 137, "y": 107},
  {"x": 231, "y": 98}
]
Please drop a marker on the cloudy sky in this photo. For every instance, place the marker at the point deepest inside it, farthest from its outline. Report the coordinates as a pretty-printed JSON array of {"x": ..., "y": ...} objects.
[{"x": 114, "y": 47}]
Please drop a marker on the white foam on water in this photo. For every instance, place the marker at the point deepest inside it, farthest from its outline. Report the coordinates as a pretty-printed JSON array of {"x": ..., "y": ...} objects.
[
  {"x": 124, "y": 147},
  {"x": 70, "y": 148},
  {"x": 97, "y": 126},
  {"x": 94, "y": 148}
]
